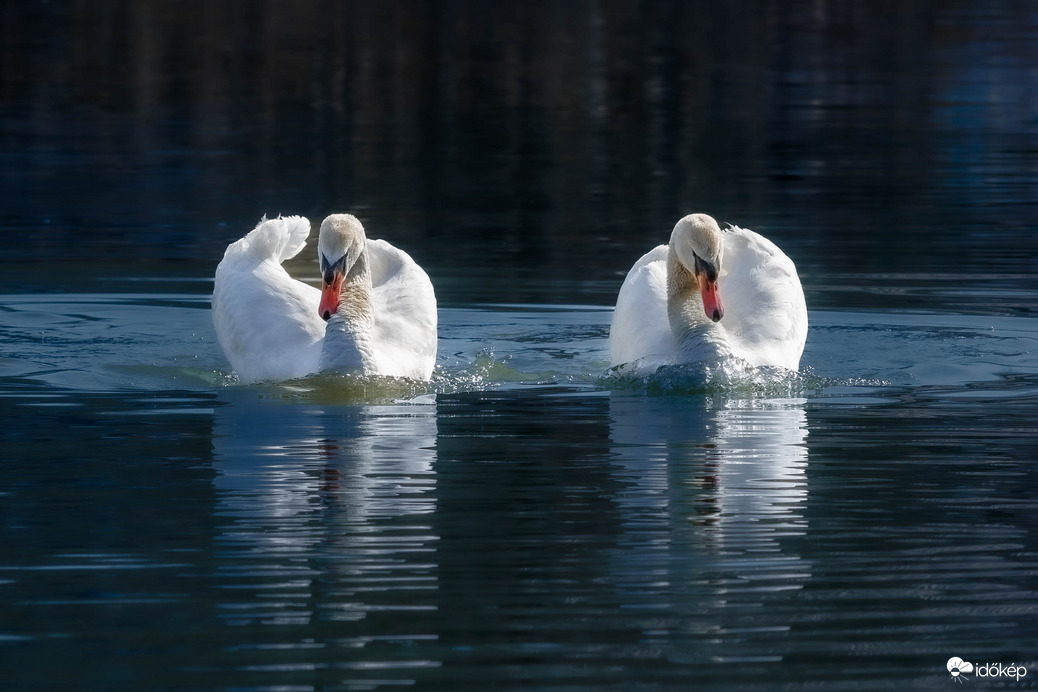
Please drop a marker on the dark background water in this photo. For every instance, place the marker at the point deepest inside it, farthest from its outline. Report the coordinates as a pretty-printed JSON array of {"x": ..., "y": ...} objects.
[
  {"x": 523, "y": 525},
  {"x": 536, "y": 147}
]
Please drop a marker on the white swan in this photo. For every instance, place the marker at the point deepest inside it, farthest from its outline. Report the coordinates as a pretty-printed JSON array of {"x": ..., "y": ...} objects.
[
  {"x": 710, "y": 296},
  {"x": 379, "y": 305}
]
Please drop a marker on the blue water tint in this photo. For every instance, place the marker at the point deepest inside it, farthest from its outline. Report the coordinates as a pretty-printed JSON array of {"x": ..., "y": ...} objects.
[
  {"x": 525, "y": 513},
  {"x": 110, "y": 341},
  {"x": 529, "y": 519},
  {"x": 166, "y": 341}
]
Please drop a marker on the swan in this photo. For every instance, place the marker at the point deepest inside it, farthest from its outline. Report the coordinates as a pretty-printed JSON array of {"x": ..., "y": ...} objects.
[
  {"x": 710, "y": 296},
  {"x": 375, "y": 313}
]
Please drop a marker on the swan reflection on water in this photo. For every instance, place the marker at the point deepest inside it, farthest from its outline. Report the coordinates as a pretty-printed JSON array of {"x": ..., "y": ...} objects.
[
  {"x": 437, "y": 523},
  {"x": 325, "y": 496},
  {"x": 740, "y": 463},
  {"x": 713, "y": 495}
]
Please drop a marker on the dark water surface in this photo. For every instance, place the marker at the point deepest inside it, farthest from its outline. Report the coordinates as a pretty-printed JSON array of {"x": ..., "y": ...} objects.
[{"x": 525, "y": 521}]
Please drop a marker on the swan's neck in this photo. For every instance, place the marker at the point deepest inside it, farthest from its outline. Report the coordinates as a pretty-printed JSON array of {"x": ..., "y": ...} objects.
[
  {"x": 348, "y": 343},
  {"x": 696, "y": 336}
]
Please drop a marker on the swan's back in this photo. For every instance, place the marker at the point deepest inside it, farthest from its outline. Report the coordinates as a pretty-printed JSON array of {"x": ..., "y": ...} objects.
[
  {"x": 404, "y": 305},
  {"x": 266, "y": 321}
]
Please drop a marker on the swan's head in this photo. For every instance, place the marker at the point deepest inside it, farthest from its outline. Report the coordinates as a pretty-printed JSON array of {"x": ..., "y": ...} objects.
[
  {"x": 696, "y": 240},
  {"x": 339, "y": 248}
]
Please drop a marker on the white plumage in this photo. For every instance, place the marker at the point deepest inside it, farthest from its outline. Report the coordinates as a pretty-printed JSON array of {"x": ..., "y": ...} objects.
[
  {"x": 268, "y": 323},
  {"x": 659, "y": 320}
]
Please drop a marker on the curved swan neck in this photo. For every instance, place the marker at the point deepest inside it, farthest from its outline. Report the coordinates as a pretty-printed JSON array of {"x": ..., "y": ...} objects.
[
  {"x": 696, "y": 336},
  {"x": 348, "y": 343},
  {"x": 682, "y": 295}
]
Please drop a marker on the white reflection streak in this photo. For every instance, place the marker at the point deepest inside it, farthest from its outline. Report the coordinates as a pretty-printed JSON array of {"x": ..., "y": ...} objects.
[
  {"x": 763, "y": 465},
  {"x": 327, "y": 514},
  {"x": 714, "y": 489}
]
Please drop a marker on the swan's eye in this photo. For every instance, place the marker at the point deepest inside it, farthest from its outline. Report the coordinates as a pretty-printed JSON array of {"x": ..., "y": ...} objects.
[
  {"x": 328, "y": 269},
  {"x": 704, "y": 267}
]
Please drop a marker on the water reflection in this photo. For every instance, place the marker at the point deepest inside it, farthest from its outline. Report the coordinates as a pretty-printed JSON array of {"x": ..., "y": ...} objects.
[
  {"x": 485, "y": 529},
  {"x": 712, "y": 491},
  {"x": 528, "y": 523},
  {"x": 720, "y": 468},
  {"x": 326, "y": 525}
]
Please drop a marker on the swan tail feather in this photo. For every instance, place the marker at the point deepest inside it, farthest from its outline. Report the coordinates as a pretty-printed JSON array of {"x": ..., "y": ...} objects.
[{"x": 277, "y": 239}]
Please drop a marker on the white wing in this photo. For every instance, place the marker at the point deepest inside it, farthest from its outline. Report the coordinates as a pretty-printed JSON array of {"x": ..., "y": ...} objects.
[
  {"x": 266, "y": 321},
  {"x": 765, "y": 312},
  {"x": 405, "y": 313},
  {"x": 640, "y": 327}
]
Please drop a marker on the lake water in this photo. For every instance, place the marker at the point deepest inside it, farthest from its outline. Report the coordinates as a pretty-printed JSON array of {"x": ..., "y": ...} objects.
[{"x": 527, "y": 520}]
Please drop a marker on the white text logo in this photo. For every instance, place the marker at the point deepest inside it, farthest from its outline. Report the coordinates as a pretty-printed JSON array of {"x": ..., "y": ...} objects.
[{"x": 958, "y": 669}]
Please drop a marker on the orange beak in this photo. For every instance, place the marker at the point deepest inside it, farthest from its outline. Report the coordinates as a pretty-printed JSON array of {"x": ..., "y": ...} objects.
[
  {"x": 711, "y": 298},
  {"x": 330, "y": 293}
]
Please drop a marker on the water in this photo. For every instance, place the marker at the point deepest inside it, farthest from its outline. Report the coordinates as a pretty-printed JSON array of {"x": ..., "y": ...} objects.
[{"x": 527, "y": 520}]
